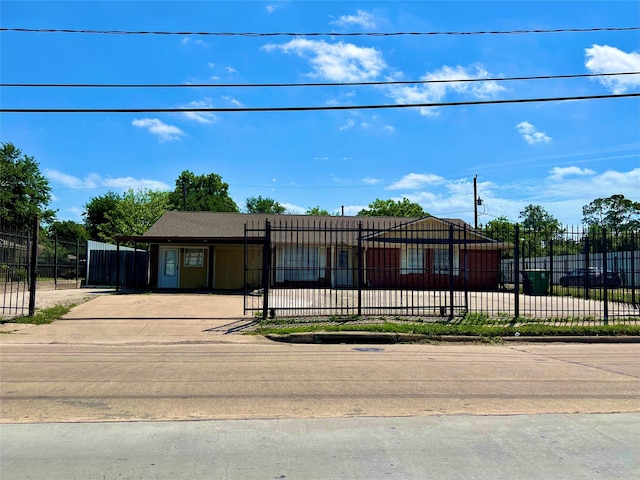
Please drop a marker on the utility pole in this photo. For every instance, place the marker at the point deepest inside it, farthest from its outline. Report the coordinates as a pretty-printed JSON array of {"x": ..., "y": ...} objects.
[{"x": 476, "y": 202}]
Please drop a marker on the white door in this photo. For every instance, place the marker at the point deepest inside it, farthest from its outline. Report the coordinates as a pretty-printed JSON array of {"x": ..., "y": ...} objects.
[{"x": 168, "y": 269}]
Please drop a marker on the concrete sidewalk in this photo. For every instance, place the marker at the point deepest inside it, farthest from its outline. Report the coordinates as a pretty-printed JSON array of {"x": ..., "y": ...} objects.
[{"x": 157, "y": 318}]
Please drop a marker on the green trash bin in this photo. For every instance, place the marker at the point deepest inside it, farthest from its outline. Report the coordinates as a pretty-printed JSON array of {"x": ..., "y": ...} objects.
[{"x": 539, "y": 282}]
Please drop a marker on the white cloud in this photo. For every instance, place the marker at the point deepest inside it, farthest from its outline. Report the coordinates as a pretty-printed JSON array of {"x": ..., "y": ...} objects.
[
  {"x": 390, "y": 128},
  {"x": 232, "y": 100},
  {"x": 230, "y": 70},
  {"x": 413, "y": 181},
  {"x": 164, "y": 132},
  {"x": 338, "y": 62},
  {"x": 436, "y": 92},
  {"x": 606, "y": 59},
  {"x": 93, "y": 180},
  {"x": 372, "y": 181},
  {"x": 361, "y": 19},
  {"x": 559, "y": 173},
  {"x": 211, "y": 64},
  {"x": 350, "y": 124},
  {"x": 90, "y": 181},
  {"x": 531, "y": 134},
  {"x": 201, "y": 117}
]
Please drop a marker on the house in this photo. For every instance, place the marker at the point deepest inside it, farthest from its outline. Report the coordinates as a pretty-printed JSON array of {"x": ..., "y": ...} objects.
[{"x": 207, "y": 250}]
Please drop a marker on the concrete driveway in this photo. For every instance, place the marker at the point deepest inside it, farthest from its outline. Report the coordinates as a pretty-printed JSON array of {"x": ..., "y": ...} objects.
[{"x": 149, "y": 318}]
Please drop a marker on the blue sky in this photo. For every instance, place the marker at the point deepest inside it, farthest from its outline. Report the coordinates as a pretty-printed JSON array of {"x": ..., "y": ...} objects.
[{"x": 560, "y": 155}]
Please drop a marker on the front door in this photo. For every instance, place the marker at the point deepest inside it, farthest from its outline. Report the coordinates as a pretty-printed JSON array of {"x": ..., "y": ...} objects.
[
  {"x": 344, "y": 273},
  {"x": 168, "y": 271}
]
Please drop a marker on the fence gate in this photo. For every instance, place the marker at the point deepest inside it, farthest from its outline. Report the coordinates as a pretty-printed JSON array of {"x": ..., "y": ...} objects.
[{"x": 18, "y": 270}]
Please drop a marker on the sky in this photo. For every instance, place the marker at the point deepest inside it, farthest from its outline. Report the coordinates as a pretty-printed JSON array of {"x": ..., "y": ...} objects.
[{"x": 560, "y": 155}]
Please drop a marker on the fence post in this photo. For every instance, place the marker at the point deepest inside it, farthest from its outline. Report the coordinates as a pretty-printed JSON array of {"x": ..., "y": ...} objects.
[
  {"x": 117, "y": 265},
  {"x": 604, "y": 274},
  {"x": 77, "y": 261},
  {"x": 33, "y": 267},
  {"x": 551, "y": 266},
  {"x": 266, "y": 265},
  {"x": 587, "y": 250},
  {"x": 55, "y": 262},
  {"x": 360, "y": 269},
  {"x": 451, "y": 284},
  {"x": 516, "y": 273},
  {"x": 465, "y": 268},
  {"x": 633, "y": 270}
]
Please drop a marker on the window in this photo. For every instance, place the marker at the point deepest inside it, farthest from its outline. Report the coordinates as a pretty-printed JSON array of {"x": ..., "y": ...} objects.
[
  {"x": 300, "y": 263},
  {"x": 193, "y": 257},
  {"x": 412, "y": 260},
  {"x": 441, "y": 261}
]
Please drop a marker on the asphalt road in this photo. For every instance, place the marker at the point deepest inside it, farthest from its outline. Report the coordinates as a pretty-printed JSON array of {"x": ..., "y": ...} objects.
[
  {"x": 75, "y": 383},
  {"x": 432, "y": 447}
]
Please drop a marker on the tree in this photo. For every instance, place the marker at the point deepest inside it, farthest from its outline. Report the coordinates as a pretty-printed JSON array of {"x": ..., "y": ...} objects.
[
  {"x": 24, "y": 192},
  {"x": 264, "y": 205},
  {"x": 134, "y": 213},
  {"x": 201, "y": 193},
  {"x": 95, "y": 213},
  {"x": 68, "y": 230},
  {"x": 615, "y": 213},
  {"x": 317, "y": 211},
  {"x": 501, "y": 229},
  {"x": 393, "y": 208},
  {"x": 539, "y": 226}
]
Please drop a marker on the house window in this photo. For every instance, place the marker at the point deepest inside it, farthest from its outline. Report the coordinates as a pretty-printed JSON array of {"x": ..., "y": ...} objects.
[
  {"x": 298, "y": 264},
  {"x": 441, "y": 261},
  {"x": 412, "y": 260},
  {"x": 193, "y": 257}
]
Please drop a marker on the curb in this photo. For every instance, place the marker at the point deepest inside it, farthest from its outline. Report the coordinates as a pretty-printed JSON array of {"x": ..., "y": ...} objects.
[{"x": 390, "y": 338}]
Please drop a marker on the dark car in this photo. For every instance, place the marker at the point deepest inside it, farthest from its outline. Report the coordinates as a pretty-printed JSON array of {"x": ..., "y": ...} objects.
[{"x": 590, "y": 277}]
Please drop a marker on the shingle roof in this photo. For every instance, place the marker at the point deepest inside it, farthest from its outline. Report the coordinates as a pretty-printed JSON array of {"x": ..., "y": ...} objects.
[{"x": 176, "y": 224}]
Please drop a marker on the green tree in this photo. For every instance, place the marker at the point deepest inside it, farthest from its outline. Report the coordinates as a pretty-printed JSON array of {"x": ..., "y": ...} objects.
[
  {"x": 501, "y": 229},
  {"x": 264, "y": 205},
  {"x": 134, "y": 213},
  {"x": 393, "y": 208},
  {"x": 24, "y": 192},
  {"x": 317, "y": 211},
  {"x": 538, "y": 228},
  {"x": 68, "y": 230},
  {"x": 95, "y": 213},
  {"x": 615, "y": 213},
  {"x": 202, "y": 193}
]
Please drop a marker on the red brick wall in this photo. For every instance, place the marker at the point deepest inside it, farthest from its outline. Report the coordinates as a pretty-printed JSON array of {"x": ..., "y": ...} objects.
[{"x": 383, "y": 271}]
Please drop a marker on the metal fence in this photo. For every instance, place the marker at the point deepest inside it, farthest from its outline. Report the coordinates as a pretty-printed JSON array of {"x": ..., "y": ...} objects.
[
  {"x": 18, "y": 257},
  {"x": 61, "y": 264},
  {"x": 116, "y": 265},
  {"x": 347, "y": 266}
]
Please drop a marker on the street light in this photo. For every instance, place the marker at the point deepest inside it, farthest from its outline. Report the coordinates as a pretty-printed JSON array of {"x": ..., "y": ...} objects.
[{"x": 477, "y": 201}]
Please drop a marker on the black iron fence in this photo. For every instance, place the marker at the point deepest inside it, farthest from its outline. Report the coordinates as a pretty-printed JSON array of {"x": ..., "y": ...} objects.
[
  {"x": 348, "y": 266},
  {"x": 61, "y": 264},
  {"x": 18, "y": 266}
]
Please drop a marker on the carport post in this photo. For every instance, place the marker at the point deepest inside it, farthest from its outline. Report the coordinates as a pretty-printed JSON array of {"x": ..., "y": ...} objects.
[
  {"x": 266, "y": 264},
  {"x": 516, "y": 273}
]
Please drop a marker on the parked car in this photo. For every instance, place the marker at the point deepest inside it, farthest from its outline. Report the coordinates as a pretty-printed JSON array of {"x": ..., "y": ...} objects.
[{"x": 591, "y": 277}]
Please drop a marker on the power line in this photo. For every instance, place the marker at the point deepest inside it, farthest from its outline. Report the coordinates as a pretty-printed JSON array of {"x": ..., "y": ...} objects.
[
  {"x": 317, "y": 34},
  {"x": 315, "y": 108},
  {"x": 325, "y": 84}
]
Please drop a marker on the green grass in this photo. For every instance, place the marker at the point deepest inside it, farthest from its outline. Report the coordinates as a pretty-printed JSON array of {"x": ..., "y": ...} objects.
[
  {"x": 44, "y": 316},
  {"x": 622, "y": 295},
  {"x": 482, "y": 328}
]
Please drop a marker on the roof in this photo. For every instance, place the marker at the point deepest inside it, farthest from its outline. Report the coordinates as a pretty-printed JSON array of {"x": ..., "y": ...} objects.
[
  {"x": 209, "y": 227},
  {"x": 178, "y": 224}
]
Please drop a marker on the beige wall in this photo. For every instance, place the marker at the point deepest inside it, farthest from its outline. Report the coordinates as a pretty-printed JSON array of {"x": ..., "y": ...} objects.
[{"x": 193, "y": 277}]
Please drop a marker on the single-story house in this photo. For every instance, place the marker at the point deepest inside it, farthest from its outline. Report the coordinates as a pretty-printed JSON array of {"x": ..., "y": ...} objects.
[{"x": 208, "y": 250}]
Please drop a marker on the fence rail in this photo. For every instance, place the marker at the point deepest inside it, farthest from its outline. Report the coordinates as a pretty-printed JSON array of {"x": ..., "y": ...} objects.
[{"x": 434, "y": 268}]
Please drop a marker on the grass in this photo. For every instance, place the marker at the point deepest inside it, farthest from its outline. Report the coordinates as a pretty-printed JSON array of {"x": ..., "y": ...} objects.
[
  {"x": 44, "y": 316},
  {"x": 622, "y": 295},
  {"x": 475, "y": 324}
]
